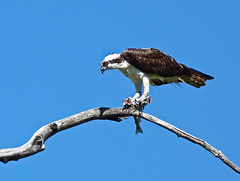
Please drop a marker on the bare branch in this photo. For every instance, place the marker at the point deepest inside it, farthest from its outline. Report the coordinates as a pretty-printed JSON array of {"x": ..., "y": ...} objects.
[
  {"x": 181, "y": 133},
  {"x": 36, "y": 143}
]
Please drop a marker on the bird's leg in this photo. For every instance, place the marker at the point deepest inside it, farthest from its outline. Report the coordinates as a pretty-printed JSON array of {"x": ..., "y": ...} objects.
[
  {"x": 146, "y": 84},
  {"x": 138, "y": 87},
  {"x": 132, "y": 101}
]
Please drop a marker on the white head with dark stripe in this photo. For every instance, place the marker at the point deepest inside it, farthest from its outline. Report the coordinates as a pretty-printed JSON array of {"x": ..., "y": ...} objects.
[{"x": 112, "y": 61}]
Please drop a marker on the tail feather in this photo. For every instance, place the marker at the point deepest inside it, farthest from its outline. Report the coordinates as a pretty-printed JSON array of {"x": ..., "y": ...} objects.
[{"x": 196, "y": 78}]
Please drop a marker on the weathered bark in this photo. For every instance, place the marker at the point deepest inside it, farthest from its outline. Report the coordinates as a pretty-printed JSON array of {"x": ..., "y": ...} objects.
[{"x": 36, "y": 143}]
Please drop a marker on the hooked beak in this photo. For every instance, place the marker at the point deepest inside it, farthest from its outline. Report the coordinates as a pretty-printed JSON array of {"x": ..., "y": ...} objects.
[{"x": 103, "y": 69}]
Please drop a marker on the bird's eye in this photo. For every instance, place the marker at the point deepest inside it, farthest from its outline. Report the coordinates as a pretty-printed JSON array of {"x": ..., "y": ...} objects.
[{"x": 105, "y": 63}]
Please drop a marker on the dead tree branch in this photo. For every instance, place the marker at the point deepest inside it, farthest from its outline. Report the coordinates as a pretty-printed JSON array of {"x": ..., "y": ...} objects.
[{"x": 36, "y": 143}]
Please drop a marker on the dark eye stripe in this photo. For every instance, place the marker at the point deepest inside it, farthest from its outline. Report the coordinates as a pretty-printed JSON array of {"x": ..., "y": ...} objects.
[
  {"x": 105, "y": 63},
  {"x": 117, "y": 60}
]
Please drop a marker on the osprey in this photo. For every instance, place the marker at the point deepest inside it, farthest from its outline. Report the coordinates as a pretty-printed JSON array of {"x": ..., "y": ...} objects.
[{"x": 152, "y": 67}]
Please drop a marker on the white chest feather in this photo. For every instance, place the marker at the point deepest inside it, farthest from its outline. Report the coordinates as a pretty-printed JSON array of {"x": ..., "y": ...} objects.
[{"x": 132, "y": 72}]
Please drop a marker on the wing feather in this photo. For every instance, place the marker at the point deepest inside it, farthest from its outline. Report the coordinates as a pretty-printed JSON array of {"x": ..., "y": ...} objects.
[{"x": 153, "y": 61}]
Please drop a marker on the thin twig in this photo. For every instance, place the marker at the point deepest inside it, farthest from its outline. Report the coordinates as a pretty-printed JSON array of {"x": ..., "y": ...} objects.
[{"x": 36, "y": 143}]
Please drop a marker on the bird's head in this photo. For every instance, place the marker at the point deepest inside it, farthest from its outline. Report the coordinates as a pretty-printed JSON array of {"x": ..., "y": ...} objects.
[{"x": 112, "y": 61}]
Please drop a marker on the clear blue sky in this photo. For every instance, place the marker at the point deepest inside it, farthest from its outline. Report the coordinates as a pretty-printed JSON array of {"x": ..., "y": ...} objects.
[{"x": 50, "y": 54}]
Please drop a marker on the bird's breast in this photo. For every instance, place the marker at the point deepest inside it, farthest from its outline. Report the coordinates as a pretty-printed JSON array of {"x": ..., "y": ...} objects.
[{"x": 133, "y": 73}]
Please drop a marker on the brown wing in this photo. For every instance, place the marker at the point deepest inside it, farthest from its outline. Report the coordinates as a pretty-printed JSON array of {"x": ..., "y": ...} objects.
[{"x": 153, "y": 61}]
